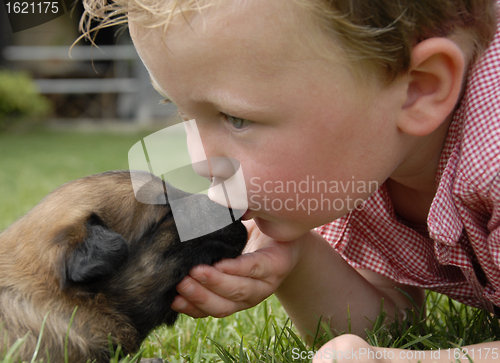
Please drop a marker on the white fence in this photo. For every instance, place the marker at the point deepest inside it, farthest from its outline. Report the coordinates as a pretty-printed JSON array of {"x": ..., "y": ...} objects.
[{"x": 136, "y": 95}]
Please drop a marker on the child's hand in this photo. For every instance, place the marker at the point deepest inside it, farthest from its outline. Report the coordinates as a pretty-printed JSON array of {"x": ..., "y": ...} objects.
[
  {"x": 237, "y": 284},
  {"x": 350, "y": 348}
]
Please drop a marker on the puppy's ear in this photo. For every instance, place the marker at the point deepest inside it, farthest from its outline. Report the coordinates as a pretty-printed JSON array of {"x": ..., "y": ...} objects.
[{"x": 100, "y": 255}]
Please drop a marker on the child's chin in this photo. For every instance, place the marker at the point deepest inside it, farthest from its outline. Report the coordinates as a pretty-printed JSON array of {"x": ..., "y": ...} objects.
[
  {"x": 280, "y": 231},
  {"x": 247, "y": 215}
]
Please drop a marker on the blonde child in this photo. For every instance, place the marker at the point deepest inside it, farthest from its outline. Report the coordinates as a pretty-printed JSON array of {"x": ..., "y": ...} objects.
[{"x": 369, "y": 137}]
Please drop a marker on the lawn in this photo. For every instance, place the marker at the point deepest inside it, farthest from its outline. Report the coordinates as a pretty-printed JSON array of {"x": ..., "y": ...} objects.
[{"x": 35, "y": 163}]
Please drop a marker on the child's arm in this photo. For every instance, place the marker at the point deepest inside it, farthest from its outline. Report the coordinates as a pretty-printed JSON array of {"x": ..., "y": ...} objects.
[
  {"x": 309, "y": 277},
  {"x": 324, "y": 284},
  {"x": 352, "y": 349}
]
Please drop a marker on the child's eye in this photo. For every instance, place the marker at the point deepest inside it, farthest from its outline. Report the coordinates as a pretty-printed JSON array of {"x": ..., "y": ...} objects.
[{"x": 237, "y": 122}]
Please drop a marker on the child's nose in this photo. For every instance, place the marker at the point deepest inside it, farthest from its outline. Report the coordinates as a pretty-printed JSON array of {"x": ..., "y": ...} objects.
[
  {"x": 196, "y": 151},
  {"x": 228, "y": 183},
  {"x": 211, "y": 164},
  {"x": 222, "y": 168}
]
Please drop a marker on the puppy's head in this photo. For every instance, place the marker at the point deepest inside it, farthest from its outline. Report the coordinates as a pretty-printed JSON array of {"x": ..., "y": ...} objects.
[{"x": 127, "y": 254}]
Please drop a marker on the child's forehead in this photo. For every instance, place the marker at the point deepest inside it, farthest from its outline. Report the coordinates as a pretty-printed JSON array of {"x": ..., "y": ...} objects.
[
  {"x": 222, "y": 16},
  {"x": 259, "y": 28},
  {"x": 166, "y": 11},
  {"x": 242, "y": 70}
]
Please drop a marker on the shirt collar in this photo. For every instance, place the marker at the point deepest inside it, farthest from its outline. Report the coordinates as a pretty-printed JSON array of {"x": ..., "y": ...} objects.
[{"x": 444, "y": 221}]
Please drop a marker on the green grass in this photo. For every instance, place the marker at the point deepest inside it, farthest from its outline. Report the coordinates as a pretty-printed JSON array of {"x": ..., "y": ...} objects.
[{"x": 33, "y": 164}]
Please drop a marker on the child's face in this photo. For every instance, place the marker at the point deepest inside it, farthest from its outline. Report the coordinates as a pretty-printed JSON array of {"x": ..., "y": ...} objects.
[{"x": 317, "y": 142}]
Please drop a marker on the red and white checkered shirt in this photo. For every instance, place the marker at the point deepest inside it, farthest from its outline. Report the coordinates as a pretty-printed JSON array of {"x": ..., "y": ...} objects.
[{"x": 458, "y": 254}]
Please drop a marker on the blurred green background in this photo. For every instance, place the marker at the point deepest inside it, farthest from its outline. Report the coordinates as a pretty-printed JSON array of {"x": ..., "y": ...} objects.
[
  {"x": 50, "y": 98},
  {"x": 34, "y": 163}
]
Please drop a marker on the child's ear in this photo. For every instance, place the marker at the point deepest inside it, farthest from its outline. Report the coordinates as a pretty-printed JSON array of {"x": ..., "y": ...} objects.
[{"x": 434, "y": 85}]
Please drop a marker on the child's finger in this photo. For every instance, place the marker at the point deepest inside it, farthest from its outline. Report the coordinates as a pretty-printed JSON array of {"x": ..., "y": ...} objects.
[
  {"x": 197, "y": 301},
  {"x": 232, "y": 287},
  {"x": 200, "y": 301},
  {"x": 262, "y": 264},
  {"x": 245, "y": 265},
  {"x": 181, "y": 305}
]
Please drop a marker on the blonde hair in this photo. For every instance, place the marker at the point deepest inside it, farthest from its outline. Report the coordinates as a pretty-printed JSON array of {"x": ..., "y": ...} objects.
[{"x": 378, "y": 32}]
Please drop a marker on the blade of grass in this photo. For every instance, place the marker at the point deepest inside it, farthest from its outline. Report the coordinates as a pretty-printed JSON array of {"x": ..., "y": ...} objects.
[
  {"x": 39, "y": 342},
  {"x": 66, "y": 340},
  {"x": 13, "y": 349}
]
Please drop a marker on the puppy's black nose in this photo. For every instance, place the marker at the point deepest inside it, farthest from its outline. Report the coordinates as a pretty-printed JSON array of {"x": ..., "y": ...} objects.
[{"x": 195, "y": 215}]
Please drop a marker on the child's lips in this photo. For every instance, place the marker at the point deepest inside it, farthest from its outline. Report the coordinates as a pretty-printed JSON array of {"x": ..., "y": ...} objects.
[{"x": 247, "y": 216}]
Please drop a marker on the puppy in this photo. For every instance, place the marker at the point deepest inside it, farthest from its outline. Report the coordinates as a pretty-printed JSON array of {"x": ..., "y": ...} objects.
[{"x": 91, "y": 244}]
